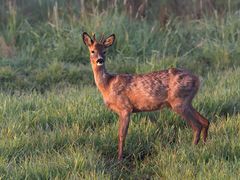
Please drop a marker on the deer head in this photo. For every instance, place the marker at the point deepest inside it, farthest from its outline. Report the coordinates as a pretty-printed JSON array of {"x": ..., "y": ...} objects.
[{"x": 97, "y": 49}]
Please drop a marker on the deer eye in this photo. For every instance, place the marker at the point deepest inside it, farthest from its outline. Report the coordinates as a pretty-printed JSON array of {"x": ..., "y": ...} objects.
[
  {"x": 104, "y": 52},
  {"x": 92, "y": 52}
]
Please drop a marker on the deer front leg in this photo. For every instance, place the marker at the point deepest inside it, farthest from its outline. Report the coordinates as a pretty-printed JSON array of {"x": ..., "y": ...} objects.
[{"x": 124, "y": 119}]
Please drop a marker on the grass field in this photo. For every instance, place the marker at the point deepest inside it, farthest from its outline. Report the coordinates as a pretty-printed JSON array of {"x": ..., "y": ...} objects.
[{"x": 53, "y": 122}]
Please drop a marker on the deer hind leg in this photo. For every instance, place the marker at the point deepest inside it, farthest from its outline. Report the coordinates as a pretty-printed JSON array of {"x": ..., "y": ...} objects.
[
  {"x": 204, "y": 122},
  {"x": 124, "y": 118},
  {"x": 186, "y": 113}
]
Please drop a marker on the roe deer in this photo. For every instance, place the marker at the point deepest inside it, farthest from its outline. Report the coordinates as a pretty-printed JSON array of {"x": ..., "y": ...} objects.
[{"x": 127, "y": 93}]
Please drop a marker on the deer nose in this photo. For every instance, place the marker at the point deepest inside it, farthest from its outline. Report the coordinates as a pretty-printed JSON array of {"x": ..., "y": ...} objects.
[{"x": 100, "y": 61}]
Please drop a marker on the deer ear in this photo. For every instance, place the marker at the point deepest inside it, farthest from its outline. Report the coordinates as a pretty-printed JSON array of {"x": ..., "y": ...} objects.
[
  {"x": 109, "y": 40},
  {"x": 87, "y": 39}
]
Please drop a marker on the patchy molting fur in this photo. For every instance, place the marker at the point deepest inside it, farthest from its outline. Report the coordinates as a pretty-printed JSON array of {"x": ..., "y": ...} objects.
[
  {"x": 145, "y": 92},
  {"x": 127, "y": 93}
]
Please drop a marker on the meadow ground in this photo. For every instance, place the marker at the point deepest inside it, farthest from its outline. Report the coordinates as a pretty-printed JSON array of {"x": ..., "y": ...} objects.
[{"x": 53, "y": 122}]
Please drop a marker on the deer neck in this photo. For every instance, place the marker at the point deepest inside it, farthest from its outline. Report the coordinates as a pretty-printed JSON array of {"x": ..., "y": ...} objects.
[{"x": 101, "y": 77}]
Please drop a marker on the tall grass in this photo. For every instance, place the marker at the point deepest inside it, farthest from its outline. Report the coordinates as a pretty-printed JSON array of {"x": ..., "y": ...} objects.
[{"x": 210, "y": 44}]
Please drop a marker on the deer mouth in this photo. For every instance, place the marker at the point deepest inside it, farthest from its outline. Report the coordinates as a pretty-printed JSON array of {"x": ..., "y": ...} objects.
[{"x": 100, "y": 62}]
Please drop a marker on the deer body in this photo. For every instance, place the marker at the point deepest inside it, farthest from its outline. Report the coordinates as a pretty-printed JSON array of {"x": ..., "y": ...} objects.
[{"x": 126, "y": 93}]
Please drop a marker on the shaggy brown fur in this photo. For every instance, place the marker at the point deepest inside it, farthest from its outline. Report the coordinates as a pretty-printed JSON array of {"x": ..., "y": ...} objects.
[{"x": 126, "y": 93}]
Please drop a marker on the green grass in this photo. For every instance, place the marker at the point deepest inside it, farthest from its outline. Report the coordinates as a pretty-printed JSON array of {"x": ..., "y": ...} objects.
[
  {"x": 53, "y": 122},
  {"x": 69, "y": 133}
]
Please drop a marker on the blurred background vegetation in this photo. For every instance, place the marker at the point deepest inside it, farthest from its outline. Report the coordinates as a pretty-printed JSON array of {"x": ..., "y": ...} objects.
[{"x": 41, "y": 46}]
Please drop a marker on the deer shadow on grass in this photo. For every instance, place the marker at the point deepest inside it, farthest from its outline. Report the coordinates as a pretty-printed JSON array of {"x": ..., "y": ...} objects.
[{"x": 140, "y": 142}]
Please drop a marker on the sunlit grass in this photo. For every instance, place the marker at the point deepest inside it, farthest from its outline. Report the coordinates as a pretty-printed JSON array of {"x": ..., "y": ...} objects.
[{"x": 69, "y": 133}]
